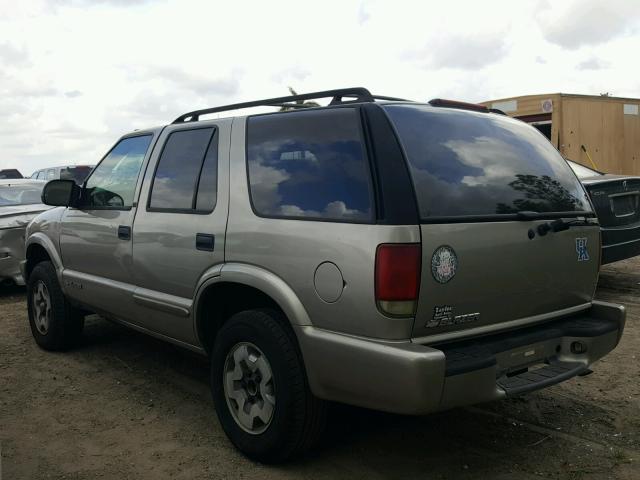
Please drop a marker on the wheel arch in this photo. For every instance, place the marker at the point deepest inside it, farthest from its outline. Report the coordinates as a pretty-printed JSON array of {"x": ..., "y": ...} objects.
[
  {"x": 40, "y": 248},
  {"x": 241, "y": 287}
]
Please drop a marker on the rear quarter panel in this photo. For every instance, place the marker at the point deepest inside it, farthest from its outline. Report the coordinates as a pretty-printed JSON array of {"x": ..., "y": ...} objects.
[{"x": 293, "y": 250}]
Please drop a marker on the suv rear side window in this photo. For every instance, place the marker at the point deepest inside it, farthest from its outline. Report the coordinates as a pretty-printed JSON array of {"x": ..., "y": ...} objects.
[
  {"x": 477, "y": 164},
  {"x": 310, "y": 165},
  {"x": 186, "y": 177}
]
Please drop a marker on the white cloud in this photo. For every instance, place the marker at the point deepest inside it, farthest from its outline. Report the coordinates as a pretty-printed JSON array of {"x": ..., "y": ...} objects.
[
  {"x": 12, "y": 55},
  {"x": 98, "y": 69},
  {"x": 467, "y": 52},
  {"x": 593, "y": 63},
  {"x": 573, "y": 24}
]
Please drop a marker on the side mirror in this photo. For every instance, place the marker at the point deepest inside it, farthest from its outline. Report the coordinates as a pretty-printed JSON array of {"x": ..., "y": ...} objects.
[{"x": 60, "y": 193}]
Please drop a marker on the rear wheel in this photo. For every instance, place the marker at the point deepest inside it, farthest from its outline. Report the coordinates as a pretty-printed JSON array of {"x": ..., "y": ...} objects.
[
  {"x": 260, "y": 388},
  {"x": 55, "y": 324}
]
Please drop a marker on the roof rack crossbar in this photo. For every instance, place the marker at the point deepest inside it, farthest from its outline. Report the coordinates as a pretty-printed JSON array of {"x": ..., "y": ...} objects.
[
  {"x": 353, "y": 95},
  {"x": 361, "y": 94}
]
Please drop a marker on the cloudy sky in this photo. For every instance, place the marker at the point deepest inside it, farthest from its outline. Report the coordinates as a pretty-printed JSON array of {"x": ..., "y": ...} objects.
[{"x": 77, "y": 74}]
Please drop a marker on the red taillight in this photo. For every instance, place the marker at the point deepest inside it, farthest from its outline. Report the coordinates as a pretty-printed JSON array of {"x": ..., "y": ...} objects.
[{"x": 398, "y": 277}]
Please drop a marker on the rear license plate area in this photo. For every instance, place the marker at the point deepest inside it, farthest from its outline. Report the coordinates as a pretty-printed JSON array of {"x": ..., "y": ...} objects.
[
  {"x": 515, "y": 361},
  {"x": 624, "y": 205}
]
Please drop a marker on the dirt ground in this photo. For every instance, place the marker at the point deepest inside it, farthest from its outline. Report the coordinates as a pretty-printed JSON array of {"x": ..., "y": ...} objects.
[{"x": 127, "y": 406}]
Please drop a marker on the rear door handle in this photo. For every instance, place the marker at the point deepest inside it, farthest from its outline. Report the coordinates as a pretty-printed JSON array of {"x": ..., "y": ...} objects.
[
  {"x": 205, "y": 242},
  {"x": 124, "y": 232}
]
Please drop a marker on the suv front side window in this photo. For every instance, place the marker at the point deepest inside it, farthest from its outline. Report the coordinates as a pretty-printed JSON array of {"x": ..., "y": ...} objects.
[{"x": 113, "y": 182}]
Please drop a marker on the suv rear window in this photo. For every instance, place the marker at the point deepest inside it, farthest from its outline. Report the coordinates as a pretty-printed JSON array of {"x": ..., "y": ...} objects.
[
  {"x": 477, "y": 164},
  {"x": 310, "y": 165}
]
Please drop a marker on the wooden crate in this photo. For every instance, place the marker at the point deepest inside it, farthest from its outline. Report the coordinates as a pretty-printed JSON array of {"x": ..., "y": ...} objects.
[{"x": 608, "y": 127}]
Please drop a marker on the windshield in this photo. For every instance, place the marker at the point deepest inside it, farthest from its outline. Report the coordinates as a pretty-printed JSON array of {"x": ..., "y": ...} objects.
[
  {"x": 476, "y": 164},
  {"x": 583, "y": 172},
  {"x": 11, "y": 195}
]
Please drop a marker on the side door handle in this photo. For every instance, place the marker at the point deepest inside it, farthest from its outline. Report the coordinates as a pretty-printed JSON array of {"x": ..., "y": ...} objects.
[
  {"x": 124, "y": 232},
  {"x": 205, "y": 242}
]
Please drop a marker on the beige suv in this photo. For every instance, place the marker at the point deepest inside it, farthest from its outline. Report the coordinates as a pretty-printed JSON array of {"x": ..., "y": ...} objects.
[{"x": 389, "y": 254}]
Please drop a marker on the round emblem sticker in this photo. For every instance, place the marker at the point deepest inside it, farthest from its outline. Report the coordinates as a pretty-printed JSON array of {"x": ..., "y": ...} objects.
[{"x": 444, "y": 264}]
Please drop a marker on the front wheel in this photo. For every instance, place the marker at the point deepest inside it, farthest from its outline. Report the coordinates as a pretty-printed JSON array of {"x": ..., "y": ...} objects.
[
  {"x": 260, "y": 388},
  {"x": 55, "y": 324}
]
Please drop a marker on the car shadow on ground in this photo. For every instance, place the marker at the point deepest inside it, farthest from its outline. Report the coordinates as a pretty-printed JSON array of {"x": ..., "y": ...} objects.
[
  {"x": 452, "y": 443},
  {"x": 12, "y": 290},
  {"x": 555, "y": 433}
]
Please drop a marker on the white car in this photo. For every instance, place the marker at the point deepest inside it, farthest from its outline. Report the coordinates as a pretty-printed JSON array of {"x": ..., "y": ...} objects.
[{"x": 20, "y": 201}]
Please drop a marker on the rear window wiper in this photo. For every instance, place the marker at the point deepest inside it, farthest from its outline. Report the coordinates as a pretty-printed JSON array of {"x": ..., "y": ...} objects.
[
  {"x": 532, "y": 215},
  {"x": 560, "y": 225},
  {"x": 557, "y": 225}
]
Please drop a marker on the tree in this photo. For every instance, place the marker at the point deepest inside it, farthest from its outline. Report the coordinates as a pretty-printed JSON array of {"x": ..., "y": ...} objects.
[{"x": 542, "y": 194}]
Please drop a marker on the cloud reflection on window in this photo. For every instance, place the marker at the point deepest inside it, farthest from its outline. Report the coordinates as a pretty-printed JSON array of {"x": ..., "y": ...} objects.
[{"x": 309, "y": 165}]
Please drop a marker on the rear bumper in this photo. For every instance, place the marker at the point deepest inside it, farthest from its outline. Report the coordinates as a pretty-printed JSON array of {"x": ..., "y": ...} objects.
[
  {"x": 620, "y": 243},
  {"x": 408, "y": 378}
]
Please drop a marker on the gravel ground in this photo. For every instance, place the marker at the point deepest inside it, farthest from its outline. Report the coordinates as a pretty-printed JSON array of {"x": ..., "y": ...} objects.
[{"x": 127, "y": 406}]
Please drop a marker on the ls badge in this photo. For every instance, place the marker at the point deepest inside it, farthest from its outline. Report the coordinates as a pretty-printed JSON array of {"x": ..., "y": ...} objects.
[{"x": 581, "y": 249}]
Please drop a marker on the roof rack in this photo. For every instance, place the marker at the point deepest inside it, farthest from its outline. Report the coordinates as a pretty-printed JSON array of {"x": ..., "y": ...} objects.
[{"x": 353, "y": 95}]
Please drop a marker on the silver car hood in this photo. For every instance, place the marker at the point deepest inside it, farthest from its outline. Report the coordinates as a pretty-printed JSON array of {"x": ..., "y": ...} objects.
[{"x": 19, "y": 215}]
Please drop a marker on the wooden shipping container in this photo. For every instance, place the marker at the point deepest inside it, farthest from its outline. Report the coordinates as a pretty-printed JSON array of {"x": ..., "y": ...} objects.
[{"x": 607, "y": 127}]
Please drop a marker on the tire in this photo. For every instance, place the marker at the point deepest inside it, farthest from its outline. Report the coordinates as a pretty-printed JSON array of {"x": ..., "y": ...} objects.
[
  {"x": 297, "y": 419},
  {"x": 55, "y": 324}
]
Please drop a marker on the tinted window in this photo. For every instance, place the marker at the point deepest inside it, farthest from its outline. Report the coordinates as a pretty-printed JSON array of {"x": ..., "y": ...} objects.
[
  {"x": 208, "y": 184},
  {"x": 113, "y": 182},
  {"x": 183, "y": 168},
  {"x": 10, "y": 173},
  {"x": 77, "y": 174},
  {"x": 466, "y": 163},
  {"x": 309, "y": 164}
]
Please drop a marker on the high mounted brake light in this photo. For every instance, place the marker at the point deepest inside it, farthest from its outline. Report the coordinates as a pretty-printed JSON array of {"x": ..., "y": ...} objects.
[
  {"x": 439, "y": 102},
  {"x": 397, "y": 277}
]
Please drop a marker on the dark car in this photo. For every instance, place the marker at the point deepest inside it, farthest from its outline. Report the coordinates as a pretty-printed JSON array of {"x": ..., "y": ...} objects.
[
  {"x": 616, "y": 199},
  {"x": 77, "y": 173},
  {"x": 10, "y": 173}
]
